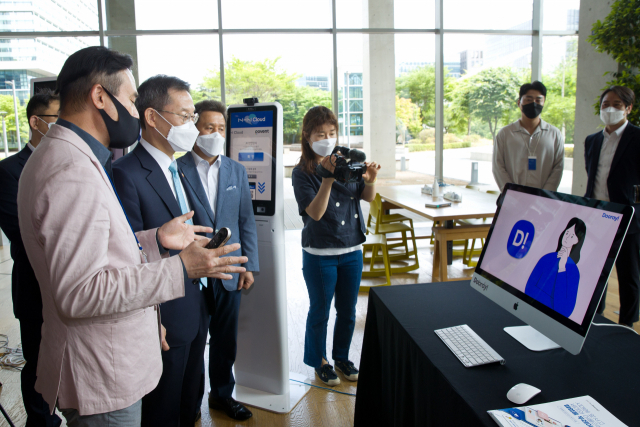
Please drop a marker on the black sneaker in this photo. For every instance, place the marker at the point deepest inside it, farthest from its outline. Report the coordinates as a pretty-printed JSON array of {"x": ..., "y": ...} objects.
[
  {"x": 327, "y": 375},
  {"x": 348, "y": 369}
]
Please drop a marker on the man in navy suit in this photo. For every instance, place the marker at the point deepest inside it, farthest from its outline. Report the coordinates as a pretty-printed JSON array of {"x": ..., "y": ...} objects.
[
  {"x": 150, "y": 186},
  {"x": 612, "y": 157},
  {"x": 42, "y": 110},
  {"x": 220, "y": 187}
]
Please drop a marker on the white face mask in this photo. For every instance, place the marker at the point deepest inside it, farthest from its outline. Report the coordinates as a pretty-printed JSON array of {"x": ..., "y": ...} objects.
[
  {"x": 46, "y": 123},
  {"x": 181, "y": 138},
  {"x": 211, "y": 145},
  {"x": 324, "y": 147},
  {"x": 611, "y": 116}
]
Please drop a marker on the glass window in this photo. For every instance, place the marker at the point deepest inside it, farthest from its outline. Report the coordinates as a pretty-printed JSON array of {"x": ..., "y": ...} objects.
[
  {"x": 561, "y": 15},
  {"x": 489, "y": 14},
  {"x": 350, "y": 89},
  {"x": 277, "y": 67},
  {"x": 276, "y": 14},
  {"x": 415, "y": 91},
  {"x": 355, "y": 92},
  {"x": 49, "y": 15},
  {"x": 355, "y": 106},
  {"x": 349, "y": 14},
  {"x": 161, "y": 14},
  {"x": 356, "y": 119},
  {"x": 482, "y": 98},
  {"x": 24, "y": 59},
  {"x": 414, "y": 14}
]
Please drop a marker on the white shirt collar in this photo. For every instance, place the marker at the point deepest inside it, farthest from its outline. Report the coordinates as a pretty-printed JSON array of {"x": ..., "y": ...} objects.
[
  {"x": 199, "y": 159},
  {"x": 617, "y": 132},
  {"x": 541, "y": 126},
  {"x": 161, "y": 158},
  {"x": 31, "y": 147}
]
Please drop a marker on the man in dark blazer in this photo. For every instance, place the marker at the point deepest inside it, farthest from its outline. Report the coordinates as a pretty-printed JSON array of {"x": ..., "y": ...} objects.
[
  {"x": 42, "y": 110},
  {"x": 152, "y": 193},
  {"x": 612, "y": 157},
  {"x": 220, "y": 187}
]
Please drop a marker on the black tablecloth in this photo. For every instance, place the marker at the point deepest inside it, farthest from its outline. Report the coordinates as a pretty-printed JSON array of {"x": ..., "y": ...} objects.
[{"x": 409, "y": 377}]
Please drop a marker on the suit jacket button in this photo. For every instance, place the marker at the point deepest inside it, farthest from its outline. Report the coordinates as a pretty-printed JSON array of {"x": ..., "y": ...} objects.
[{"x": 195, "y": 281}]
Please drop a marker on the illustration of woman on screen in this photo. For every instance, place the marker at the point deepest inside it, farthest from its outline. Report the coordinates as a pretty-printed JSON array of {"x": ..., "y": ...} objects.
[{"x": 554, "y": 281}]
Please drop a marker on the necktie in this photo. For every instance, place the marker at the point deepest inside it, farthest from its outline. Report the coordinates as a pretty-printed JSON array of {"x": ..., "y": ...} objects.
[{"x": 173, "y": 168}]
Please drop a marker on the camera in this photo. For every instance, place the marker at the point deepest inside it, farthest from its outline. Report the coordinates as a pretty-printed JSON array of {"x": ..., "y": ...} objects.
[{"x": 345, "y": 171}]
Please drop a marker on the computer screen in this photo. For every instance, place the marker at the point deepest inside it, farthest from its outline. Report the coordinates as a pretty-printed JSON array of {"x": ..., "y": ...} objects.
[
  {"x": 251, "y": 141},
  {"x": 554, "y": 253}
]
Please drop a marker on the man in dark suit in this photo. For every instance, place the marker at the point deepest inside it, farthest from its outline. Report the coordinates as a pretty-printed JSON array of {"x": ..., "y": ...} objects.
[
  {"x": 612, "y": 158},
  {"x": 151, "y": 190},
  {"x": 42, "y": 110},
  {"x": 220, "y": 187}
]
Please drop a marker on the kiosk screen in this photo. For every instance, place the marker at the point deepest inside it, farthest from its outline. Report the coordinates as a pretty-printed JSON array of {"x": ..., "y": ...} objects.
[{"x": 252, "y": 143}]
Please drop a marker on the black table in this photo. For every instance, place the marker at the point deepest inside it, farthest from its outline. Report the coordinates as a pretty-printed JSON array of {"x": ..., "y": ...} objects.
[{"x": 409, "y": 377}]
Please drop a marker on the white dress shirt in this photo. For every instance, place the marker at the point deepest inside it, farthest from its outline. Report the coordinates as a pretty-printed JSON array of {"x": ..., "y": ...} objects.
[
  {"x": 209, "y": 177},
  {"x": 164, "y": 162},
  {"x": 31, "y": 147},
  {"x": 607, "y": 152}
]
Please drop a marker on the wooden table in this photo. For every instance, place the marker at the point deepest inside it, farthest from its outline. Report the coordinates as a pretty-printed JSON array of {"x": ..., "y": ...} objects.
[{"x": 474, "y": 205}]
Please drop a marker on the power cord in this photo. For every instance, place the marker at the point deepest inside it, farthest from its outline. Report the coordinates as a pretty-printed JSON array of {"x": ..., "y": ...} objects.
[
  {"x": 323, "y": 388},
  {"x": 616, "y": 324},
  {"x": 10, "y": 358}
]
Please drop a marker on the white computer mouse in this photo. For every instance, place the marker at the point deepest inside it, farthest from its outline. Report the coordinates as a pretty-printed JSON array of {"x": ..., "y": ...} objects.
[{"x": 521, "y": 393}]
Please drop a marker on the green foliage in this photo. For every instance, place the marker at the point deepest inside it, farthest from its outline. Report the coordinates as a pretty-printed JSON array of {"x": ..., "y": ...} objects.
[
  {"x": 618, "y": 36},
  {"x": 568, "y": 152},
  {"x": 559, "y": 107},
  {"x": 264, "y": 80},
  {"x": 407, "y": 116},
  {"x": 493, "y": 94},
  {"x": 6, "y": 104},
  {"x": 432, "y": 147}
]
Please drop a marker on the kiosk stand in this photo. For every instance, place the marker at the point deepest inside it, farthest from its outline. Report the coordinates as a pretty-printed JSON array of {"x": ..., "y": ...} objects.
[{"x": 254, "y": 139}]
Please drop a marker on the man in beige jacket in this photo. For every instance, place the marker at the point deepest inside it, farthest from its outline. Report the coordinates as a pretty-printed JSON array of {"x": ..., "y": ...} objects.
[
  {"x": 529, "y": 151},
  {"x": 100, "y": 282}
]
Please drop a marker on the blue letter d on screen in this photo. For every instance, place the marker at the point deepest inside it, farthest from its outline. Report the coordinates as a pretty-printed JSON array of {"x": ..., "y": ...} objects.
[{"x": 520, "y": 239}]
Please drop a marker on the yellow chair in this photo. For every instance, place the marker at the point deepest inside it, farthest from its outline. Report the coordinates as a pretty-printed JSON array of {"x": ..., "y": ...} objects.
[
  {"x": 375, "y": 243},
  {"x": 377, "y": 227}
]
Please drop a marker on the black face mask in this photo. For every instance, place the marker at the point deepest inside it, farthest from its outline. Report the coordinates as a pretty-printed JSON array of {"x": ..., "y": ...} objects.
[
  {"x": 532, "y": 110},
  {"x": 125, "y": 132}
]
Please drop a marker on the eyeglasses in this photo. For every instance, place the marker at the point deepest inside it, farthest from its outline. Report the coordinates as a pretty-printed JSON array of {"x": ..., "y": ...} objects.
[{"x": 185, "y": 117}]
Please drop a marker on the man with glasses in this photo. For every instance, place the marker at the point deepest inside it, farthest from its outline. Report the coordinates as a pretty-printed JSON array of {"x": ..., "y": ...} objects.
[
  {"x": 529, "y": 151},
  {"x": 151, "y": 188},
  {"x": 42, "y": 112}
]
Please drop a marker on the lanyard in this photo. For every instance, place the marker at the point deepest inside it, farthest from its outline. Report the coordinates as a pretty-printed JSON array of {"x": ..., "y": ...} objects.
[{"x": 144, "y": 256}]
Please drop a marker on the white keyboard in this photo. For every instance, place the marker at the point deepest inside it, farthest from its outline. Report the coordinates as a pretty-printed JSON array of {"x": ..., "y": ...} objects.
[{"x": 468, "y": 347}]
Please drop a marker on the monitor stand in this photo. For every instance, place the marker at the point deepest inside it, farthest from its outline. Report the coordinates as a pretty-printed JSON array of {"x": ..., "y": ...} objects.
[{"x": 530, "y": 338}]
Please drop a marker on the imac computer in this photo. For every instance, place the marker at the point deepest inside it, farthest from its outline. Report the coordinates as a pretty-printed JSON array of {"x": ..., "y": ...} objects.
[{"x": 547, "y": 259}]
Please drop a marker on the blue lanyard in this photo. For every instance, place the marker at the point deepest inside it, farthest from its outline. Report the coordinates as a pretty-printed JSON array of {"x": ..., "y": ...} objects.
[{"x": 126, "y": 216}]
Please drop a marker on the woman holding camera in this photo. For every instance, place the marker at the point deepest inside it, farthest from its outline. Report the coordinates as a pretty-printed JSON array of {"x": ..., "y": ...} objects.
[{"x": 332, "y": 240}]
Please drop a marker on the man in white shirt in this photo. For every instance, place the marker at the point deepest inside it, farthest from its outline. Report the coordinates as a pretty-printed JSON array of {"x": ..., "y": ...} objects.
[
  {"x": 219, "y": 186},
  {"x": 612, "y": 157},
  {"x": 529, "y": 151},
  {"x": 149, "y": 182}
]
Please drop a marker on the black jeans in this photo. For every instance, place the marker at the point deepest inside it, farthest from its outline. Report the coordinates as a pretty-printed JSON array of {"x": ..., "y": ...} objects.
[{"x": 37, "y": 409}]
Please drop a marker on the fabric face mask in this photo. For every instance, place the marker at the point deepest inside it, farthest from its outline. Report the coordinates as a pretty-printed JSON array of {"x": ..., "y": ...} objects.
[
  {"x": 181, "y": 138},
  {"x": 611, "y": 116},
  {"x": 324, "y": 147},
  {"x": 126, "y": 130},
  {"x": 211, "y": 145},
  {"x": 46, "y": 123},
  {"x": 532, "y": 110}
]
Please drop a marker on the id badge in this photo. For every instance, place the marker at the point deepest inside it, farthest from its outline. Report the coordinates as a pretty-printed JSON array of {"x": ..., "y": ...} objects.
[{"x": 532, "y": 163}]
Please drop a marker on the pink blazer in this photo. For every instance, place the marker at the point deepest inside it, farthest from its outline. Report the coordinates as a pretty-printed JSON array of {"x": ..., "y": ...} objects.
[{"x": 100, "y": 348}]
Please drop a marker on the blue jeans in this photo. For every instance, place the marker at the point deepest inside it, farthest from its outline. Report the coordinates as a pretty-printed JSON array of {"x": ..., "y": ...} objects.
[{"x": 324, "y": 277}]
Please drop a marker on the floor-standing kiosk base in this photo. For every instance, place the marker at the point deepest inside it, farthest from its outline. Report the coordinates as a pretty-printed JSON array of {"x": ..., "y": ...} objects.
[{"x": 254, "y": 139}]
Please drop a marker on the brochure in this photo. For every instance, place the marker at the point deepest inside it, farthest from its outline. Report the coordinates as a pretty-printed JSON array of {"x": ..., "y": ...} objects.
[{"x": 582, "y": 411}]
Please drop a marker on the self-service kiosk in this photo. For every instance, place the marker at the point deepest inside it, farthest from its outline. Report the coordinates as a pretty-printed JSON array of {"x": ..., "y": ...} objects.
[{"x": 254, "y": 139}]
